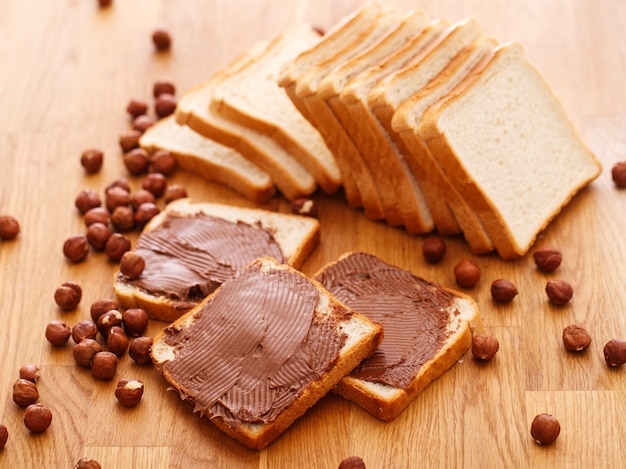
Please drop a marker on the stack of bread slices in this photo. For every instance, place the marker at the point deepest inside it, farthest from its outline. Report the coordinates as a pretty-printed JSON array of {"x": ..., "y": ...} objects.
[{"x": 426, "y": 124}]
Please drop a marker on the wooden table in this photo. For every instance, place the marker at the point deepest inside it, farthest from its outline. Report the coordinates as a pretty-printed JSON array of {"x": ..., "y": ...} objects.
[{"x": 68, "y": 70}]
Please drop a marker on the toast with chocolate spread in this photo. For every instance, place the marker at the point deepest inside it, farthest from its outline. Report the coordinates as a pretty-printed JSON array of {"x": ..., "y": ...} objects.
[
  {"x": 427, "y": 328},
  {"x": 190, "y": 249},
  {"x": 259, "y": 351}
]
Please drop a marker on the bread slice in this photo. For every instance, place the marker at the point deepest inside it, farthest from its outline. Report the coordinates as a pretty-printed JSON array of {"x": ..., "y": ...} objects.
[
  {"x": 261, "y": 350},
  {"x": 191, "y": 248},
  {"x": 341, "y": 67},
  {"x": 252, "y": 98},
  {"x": 196, "y": 110},
  {"x": 405, "y": 123},
  {"x": 427, "y": 328},
  {"x": 506, "y": 143},
  {"x": 353, "y": 111},
  {"x": 207, "y": 158}
]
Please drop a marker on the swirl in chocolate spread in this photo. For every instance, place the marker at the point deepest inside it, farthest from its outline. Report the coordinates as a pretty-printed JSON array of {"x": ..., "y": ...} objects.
[
  {"x": 414, "y": 314},
  {"x": 253, "y": 346},
  {"x": 188, "y": 257}
]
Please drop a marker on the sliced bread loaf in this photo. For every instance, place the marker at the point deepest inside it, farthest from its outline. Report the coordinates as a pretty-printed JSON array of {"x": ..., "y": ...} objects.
[
  {"x": 506, "y": 143},
  {"x": 436, "y": 185},
  {"x": 190, "y": 249},
  {"x": 261, "y": 350},
  {"x": 207, "y": 158},
  {"x": 251, "y": 97},
  {"x": 427, "y": 328}
]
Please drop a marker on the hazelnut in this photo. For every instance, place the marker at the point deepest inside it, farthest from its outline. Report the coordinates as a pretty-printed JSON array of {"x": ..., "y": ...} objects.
[
  {"x": 58, "y": 333},
  {"x": 174, "y": 192},
  {"x": 165, "y": 105},
  {"x": 615, "y": 352},
  {"x": 161, "y": 87},
  {"x": 97, "y": 235},
  {"x": 104, "y": 365},
  {"x": 139, "y": 350},
  {"x": 142, "y": 196},
  {"x": 146, "y": 212},
  {"x": 576, "y": 338},
  {"x": 30, "y": 372},
  {"x": 117, "y": 341},
  {"x": 467, "y": 273},
  {"x": 108, "y": 320},
  {"x": 545, "y": 429},
  {"x": 25, "y": 392},
  {"x": 116, "y": 197},
  {"x": 98, "y": 308},
  {"x": 9, "y": 227},
  {"x": 119, "y": 182},
  {"x": 37, "y": 418},
  {"x": 304, "y": 206},
  {"x": 353, "y": 462},
  {"x": 88, "y": 463},
  {"x": 136, "y": 161},
  {"x": 116, "y": 246},
  {"x": 91, "y": 160},
  {"x": 86, "y": 200},
  {"x": 85, "y": 329},
  {"x": 132, "y": 265},
  {"x": 68, "y": 296},
  {"x": 4, "y": 435},
  {"x": 76, "y": 248},
  {"x": 84, "y": 351},
  {"x": 129, "y": 392},
  {"x": 142, "y": 123},
  {"x": 547, "y": 259},
  {"x": 484, "y": 347},
  {"x": 155, "y": 183},
  {"x": 164, "y": 162},
  {"x": 97, "y": 215},
  {"x": 559, "y": 292},
  {"x": 129, "y": 140},
  {"x": 503, "y": 291},
  {"x": 434, "y": 249},
  {"x": 104, "y": 3},
  {"x": 618, "y": 174},
  {"x": 161, "y": 39},
  {"x": 135, "y": 321},
  {"x": 136, "y": 107},
  {"x": 123, "y": 218}
]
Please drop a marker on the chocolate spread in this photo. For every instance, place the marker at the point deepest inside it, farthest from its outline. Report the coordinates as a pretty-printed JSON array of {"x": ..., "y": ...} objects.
[
  {"x": 414, "y": 314},
  {"x": 188, "y": 257},
  {"x": 254, "y": 346}
]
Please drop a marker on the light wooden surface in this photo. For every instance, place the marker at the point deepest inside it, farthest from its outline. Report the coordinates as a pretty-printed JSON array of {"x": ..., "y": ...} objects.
[{"x": 68, "y": 69}]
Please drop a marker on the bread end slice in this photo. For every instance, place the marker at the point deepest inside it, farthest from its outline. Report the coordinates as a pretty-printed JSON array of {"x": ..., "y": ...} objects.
[{"x": 321, "y": 312}]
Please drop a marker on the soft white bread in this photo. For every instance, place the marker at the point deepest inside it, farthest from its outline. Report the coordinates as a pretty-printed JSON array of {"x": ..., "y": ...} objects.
[
  {"x": 354, "y": 112},
  {"x": 505, "y": 141},
  {"x": 346, "y": 65},
  {"x": 196, "y": 110},
  {"x": 294, "y": 236},
  {"x": 427, "y": 328},
  {"x": 207, "y": 158},
  {"x": 294, "y": 342},
  {"x": 436, "y": 185},
  {"x": 252, "y": 97}
]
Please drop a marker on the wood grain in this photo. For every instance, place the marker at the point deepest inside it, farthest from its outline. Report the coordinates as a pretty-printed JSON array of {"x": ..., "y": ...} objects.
[{"x": 68, "y": 70}]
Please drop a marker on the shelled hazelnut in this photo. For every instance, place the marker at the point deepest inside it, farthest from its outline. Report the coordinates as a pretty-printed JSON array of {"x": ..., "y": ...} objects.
[
  {"x": 142, "y": 123},
  {"x": 142, "y": 196},
  {"x": 129, "y": 392},
  {"x": 117, "y": 341},
  {"x": 545, "y": 429},
  {"x": 136, "y": 107},
  {"x": 161, "y": 86},
  {"x": 129, "y": 140},
  {"x": 30, "y": 372},
  {"x": 576, "y": 338},
  {"x": 467, "y": 273},
  {"x": 155, "y": 183},
  {"x": 99, "y": 307},
  {"x": 104, "y": 365},
  {"x": 84, "y": 351},
  {"x": 434, "y": 249},
  {"x": 161, "y": 39},
  {"x": 352, "y": 462},
  {"x": 37, "y": 418},
  {"x": 139, "y": 350},
  {"x": 146, "y": 212},
  {"x": 615, "y": 352},
  {"x": 76, "y": 248},
  {"x": 97, "y": 215},
  {"x": 116, "y": 246},
  {"x": 132, "y": 265},
  {"x": 618, "y": 174},
  {"x": 87, "y": 463},
  {"x": 304, "y": 206},
  {"x": 484, "y": 347},
  {"x": 122, "y": 183},
  {"x": 25, "y": 392},
  {"x": 135, "y": 321},
  {"x": 136, "y": 161},
  {"x": 58, "y": 333},
  {"x": 85, "y": 329},
  {"x": 559, "y": 292},
  {"x": 165, "y": 105},
  {"x": 164, "y": 162},
  {"x": 547, "y": 259},
  {"x": 9, "y": 227},
  {"x": 123, "y": 218},
  {"x": 108, "y": 320},
  {"x": 98, "y": 235},
  {"x": 86, "y": 200},
  {"x": 68, "y": 296},
  {"x": 91, "y": 160},
  {"x": 174, "y": 192},
  {"x": 4, "y": 435},
  {"x": 503, "y": 291},
  {"x": 116, "y": 197}
]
